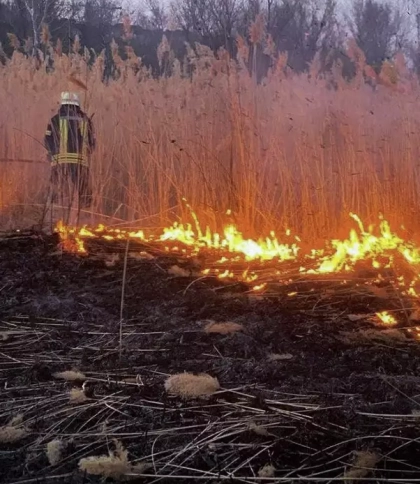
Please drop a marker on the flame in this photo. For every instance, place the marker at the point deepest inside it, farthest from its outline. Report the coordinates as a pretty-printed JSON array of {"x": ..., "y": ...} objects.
[
  {"x": 259, "y": 287},
  {"x": 376, "y": 249},
  {"x": 386, "y": 318},
  {"x": 366, "y": 246},
  {"x": 68, "y": 243},
  {"x": 232, "y": 241}
]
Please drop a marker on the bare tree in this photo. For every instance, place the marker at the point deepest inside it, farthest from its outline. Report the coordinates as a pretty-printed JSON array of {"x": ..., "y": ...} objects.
[
  {"x": 193, "y": 16},
  {"x": 378, "y": 30},
  {"x": 151, "y": 14},
  {"x": 74, "y": 10},
  {"x": 158, "y": 15},
  {"x": 301, "y": 28},
  {"x": 252, "y": 8},
  {"x": 37, "y": 12},
  {"x": 102, "y": 12},
  {"x": 215, "y": 19},
  {"x": 411, "y": 9},
  {"x": 29, "y": 17}
]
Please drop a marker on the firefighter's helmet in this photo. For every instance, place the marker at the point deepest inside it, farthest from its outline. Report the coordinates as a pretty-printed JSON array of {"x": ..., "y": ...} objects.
[{"x": 70, "y": 98}]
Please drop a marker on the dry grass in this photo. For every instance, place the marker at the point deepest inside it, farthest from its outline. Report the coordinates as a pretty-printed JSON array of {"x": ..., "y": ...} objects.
[
  {"x": 70, "y": 375},
  {"x": 363, "y": 464},
  {"x": 10, "y": 434},
  {"x": 187, "y": 385},
  {"x": 115, "y": 465},
  {"x": 267, "y": 471},
  {"x": 14, "y": 431},
  {"x": 54, "y": 451},
  {"x": 288, "y": 152},
  {"x": 259, "y": 430},
  {"x": 17, "y": 420},
  {"x": 279, "y": 356},
  {"x": 77, "y": 396},
  {"x": 223, "y": 328}
]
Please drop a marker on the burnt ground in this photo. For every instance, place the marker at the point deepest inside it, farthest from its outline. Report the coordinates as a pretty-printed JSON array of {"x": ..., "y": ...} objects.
[{"x": 340, "y": 400}]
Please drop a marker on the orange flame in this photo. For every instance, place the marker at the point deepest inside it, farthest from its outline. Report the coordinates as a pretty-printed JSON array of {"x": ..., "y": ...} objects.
[
  {"x": 366, "y": 246},
  {"x": 386, "y": 318},
  {"x": 338, "y": 256}
]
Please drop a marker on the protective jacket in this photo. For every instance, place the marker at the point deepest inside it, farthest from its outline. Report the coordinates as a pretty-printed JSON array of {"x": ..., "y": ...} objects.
[{"x": 70, "y": 137}]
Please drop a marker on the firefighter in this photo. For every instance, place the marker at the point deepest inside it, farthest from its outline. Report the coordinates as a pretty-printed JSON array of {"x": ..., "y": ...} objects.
[{"x": 70, "y": 142}]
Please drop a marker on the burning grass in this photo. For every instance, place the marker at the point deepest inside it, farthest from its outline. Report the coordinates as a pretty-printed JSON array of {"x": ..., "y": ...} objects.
[{"x": 375, "y": 259}]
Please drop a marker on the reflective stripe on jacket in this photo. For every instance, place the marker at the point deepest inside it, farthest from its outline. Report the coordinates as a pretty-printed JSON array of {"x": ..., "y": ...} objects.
[{"x": 63, "y": 158}]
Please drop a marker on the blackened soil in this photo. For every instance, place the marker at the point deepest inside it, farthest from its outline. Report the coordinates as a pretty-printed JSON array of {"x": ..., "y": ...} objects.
[{"x": 302, "y": 389}]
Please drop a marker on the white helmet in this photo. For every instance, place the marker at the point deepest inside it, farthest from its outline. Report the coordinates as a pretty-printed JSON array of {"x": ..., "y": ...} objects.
[{"x": 70, "y": 98}]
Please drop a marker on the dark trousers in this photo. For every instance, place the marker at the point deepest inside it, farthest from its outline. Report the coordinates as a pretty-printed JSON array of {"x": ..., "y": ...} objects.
[{"x": 70, "y": 180}]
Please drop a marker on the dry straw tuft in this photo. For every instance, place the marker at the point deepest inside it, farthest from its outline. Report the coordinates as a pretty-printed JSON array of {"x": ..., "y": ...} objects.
[
  {"x": 279, "y": 356},
  {"x": 4, "y": 335},
  {"x": 115, "y": 465},
  {"x": 364, "y": 463},
  {"x": 10, "y": 434},
  {"x": 13, "y": 431},
  {"x": 223, "y": 328},
  {"x": 54, "y": 451},
  {"x": 259, "y": 430},
  {"x": 187, "y": 385},
  {"x": 70, "y": 375},
  {"x": 267, "y": 471},
  {"x": 17, "y": 420},
  {"x": 77, "y": 396}
]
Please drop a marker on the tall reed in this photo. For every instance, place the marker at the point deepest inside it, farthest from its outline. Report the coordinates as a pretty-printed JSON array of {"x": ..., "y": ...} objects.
[{"x": 296, "y": 151}]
